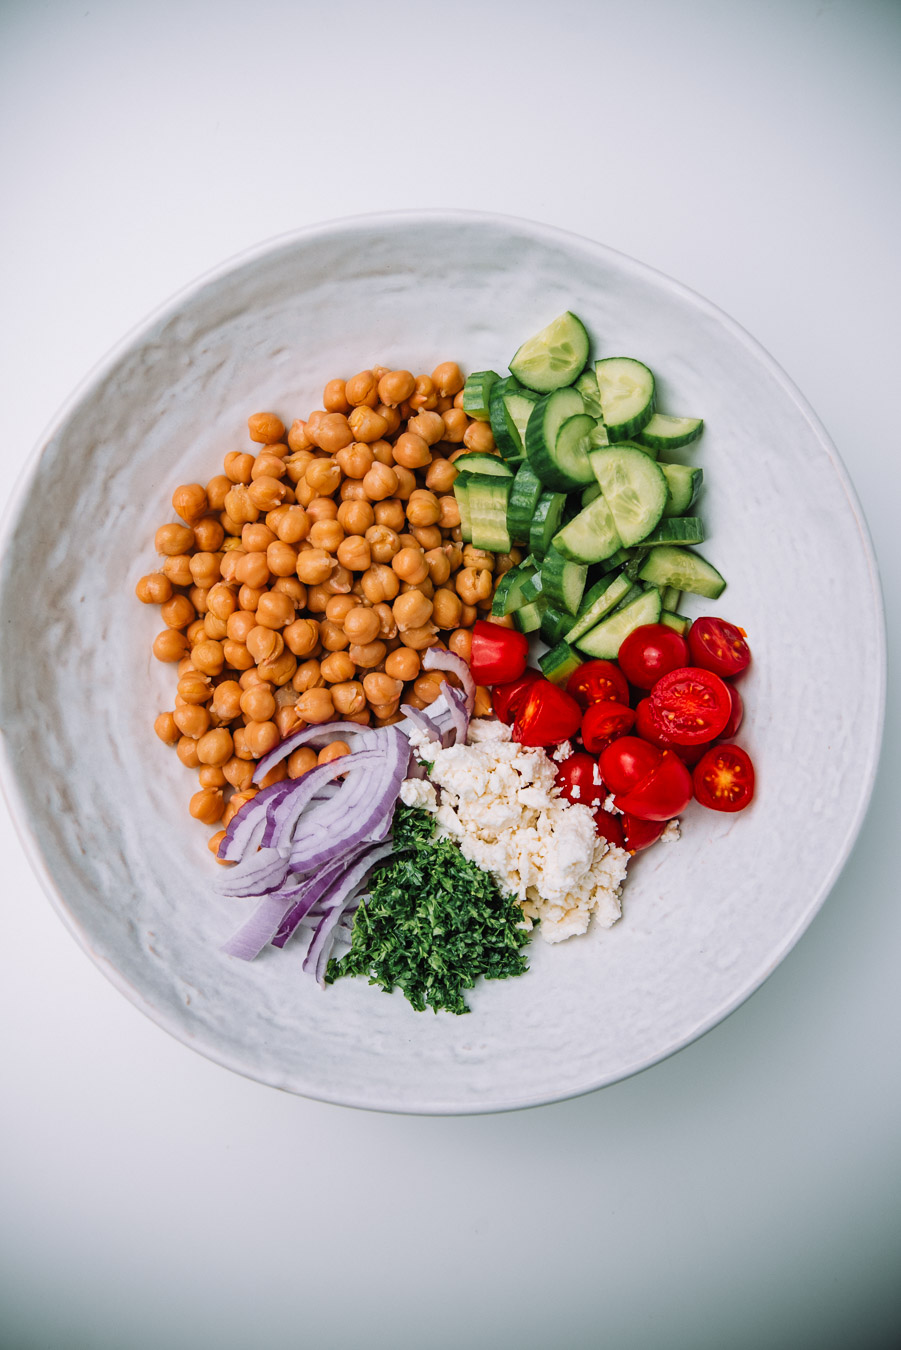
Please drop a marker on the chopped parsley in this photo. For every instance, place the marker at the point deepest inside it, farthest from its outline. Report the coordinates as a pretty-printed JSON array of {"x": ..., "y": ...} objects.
[{"x": 433, "y": 922}]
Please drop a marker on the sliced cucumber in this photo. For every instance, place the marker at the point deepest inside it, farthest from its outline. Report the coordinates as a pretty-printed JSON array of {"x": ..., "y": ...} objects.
[
  {"x": 676, "y": 621},
  {"x": 461, "y": 492},
  {"x": 552, "y": 358},
  {"x": 478, "y": 461},
  {"x": 488, "y": 511},
  {"x": 587, "y": 385},
  {"x": 626, "y": 389},
  {"x": 477, "y": 394},
  {"x": 532, "y": 588},
  {"x": 520, "y": 403},
  {"x": 590, "y": 493},
  {"x": 645, "y": 449},
  {"x": 663, "y": 432},
  {"x": 634, "y": 488},
  {"x": 559, "y": 663},
  {"x": 525, "y": 493},
  {"x": 508, "y": 592},
  {"x": 598, "y": 437},
  {"x": 632, "y": 593},
  {"x": 683, "y": 483},
  {"x": 592, "y": 536},
  {"x": 678, "y": 530},
  {"x": 670, "y": 597},
  {"x": 563, "y": 582},
  {"x": 558, "y": 456},
  {"x": 554, "y": 624},
  {"x": 680, "y": 567},
  {"x": 604, "y": 639},
  {"x": 598, "y": 604},
  {"x": 528, "y": 617},
  {"x": 546, "y": 521}
]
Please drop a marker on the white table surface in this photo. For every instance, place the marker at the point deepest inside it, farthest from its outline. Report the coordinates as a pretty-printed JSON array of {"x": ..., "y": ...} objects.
[{"x": 745, "y": 1192}]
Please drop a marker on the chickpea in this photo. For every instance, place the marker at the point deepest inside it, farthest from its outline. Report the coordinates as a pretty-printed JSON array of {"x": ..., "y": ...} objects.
[
  {"x": 338, "y": 607},
  {"x": 249, "y": 596},
  {"x": 301, "y": 761},
  {"x": 324, "y": 476},
  {"x": 281, "y": 559},
  {"x": 381, "y": 688},
  {"x": 197, "y": 596},
  {"x": 407, "y": 540},
  {"x": 317, "y": 598},
  {"x": 211, "y": 776},
  {"x": 301, "y": 636},
  {"x": 231, "y": 526},
  {"x": 293, "y": 525},
  {"x": 473, "y": 584},
  {"x": 383, "y": 451},
  {"x": 265, "y": 493},
  {"x": 258, "y": 703},
  {"x": 338, "y": 668},
  {"x": 390, "y": 513},
  {"x": 380, "y": 482},
  {"x": 297, "y": 436},
  {"x": 353, "y": 553},
  {"x": 267, "y": 465},
  {"x": 411, "y": 610},
  {"x": 186, "y": 749},
  {"x": 260, "y": 738},
  {"x": 340, "y": 582},
  {"x": 355, "y": 517},
  {"x": 288, "y": 720},
  {"x": 234, "y": 806},
  {"x": 189, "y": 501},
  {"x": 409, "y": 564},
  {"x": 396, "y": 387},
  {"x": 205, "y": 569},
  {"x": 362, "y": 389},
  {"x": 239, "y": 624},
  {"x": 361, "y": 625},
  {"x": 387, "y": 621},
  {"x": 316, "y": 706},
  {"x": 367, "y": 655},
  {"x": 326, "y": 534},
  {"x": 449, "y": 512},
  {"x": 355, "y": 459},
  {"x": 167, "y": 728},
  {"x": 455, "y": 424},
  {"x": 336, "y": 750},
  {"x": 479, "y": 436},
  {"x": 412, "y": 451},
  {"x": 428, "y": 425},
  {"x": 322, "y": 508},
  {"x": 383, "y": 543},
  {"x": 195, "y": 687},
  {"x": 238, "y": 772},
  {"x": 275, "y": 609},
  {"x": 425, "y": 395},
  {"x": 209, "y": 535},
  {"x": 348, "y": 698},
  {"x": 279, "y": 670},
  {"x": 308, "y": 675},
  {"x": 334, "y": 397},
  {"x": 241, "y": 506},
  {"x": 215, "y": 747},
  {"x": 154, "y": 589},
  {"x": 314, "y": 566},
  {"x": 402, "y": 664},
  {"x": 423, "y": 508},
  {"x": 173, "y": 539},
  {"x": 352, "y": 490},
  {"x": 332, "y": 636},
  {"x": 406, "y": 482},
  {"x": 439, "y": 566},
  {"x": 380, "y": 583},
  {"x": 177, "y": 612},
  {"x": 208, "y": 657},
  {"x": 192, "y": 720},
  {"x": 447, "y": 608},
  {"x": 441, "y": 476},
  {"x": 264, "y": 643},
  {"x": 216, "y": 491},
  {"x": 448, "y": 378},
  {"x": 265, "y": 426},
  {"x": 226, "y": 704},
  {"x": 479, "y": 558},
  {"x": 502, "y": 621},
  {"x": 221, "y": 601},
  {"x": 460, "y": 642},
  {"x": 428, "y": 686},
  {"x": 177, "y": 570},
  {"x": 238, "y": 467},
  {"x": 332, "y": 432},
  {"x": 207, "y": 805},
  {"x": 215, "y": 629},
  {"x": 256, "y": 537},
  {"x": 236, "y": 655},
  {"x": 420, "y": 638}
]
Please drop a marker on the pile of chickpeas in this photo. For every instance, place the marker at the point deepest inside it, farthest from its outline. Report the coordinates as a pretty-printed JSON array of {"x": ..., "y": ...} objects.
[{"x": 303, "y": 584}]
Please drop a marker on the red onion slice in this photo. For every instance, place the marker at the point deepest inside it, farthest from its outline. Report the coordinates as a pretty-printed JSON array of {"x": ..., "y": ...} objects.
[
  {"x": 317, "y": 955},
  {"x": 421, "y": 722},
  {"x": 328, "y": 732},
  {"x": 456, "y": 701},
  {"x": 438, "y": 658},
  {"x": 259, "y": 930}
]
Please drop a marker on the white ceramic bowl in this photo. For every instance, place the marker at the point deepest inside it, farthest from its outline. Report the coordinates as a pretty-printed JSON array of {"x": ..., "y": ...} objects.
[{"x": 102, "y": 804}]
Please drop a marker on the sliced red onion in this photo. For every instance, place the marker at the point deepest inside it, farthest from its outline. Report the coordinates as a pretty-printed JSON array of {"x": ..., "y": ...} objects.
[
  {"x": 456, "y": 700},
  {"x": 420, "y": 721},
  {"x": 242, "y": 825},
  {"x": 438, "y": 658},
  {"x": 308, "y": 895},
  {"x": 343, "y": 891},
  {"x": 290, "y": 806},
  {"x": 328, "y": 732},
  {"x": 260, "y": 928}
]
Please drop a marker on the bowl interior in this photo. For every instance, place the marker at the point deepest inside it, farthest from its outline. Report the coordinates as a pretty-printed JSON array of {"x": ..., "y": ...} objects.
[{"x": 103, "y": 803}]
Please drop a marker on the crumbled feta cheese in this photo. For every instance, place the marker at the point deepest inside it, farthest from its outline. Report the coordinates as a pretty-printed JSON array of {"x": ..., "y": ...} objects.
[
  {"x": 610, "y": 805},
  {"x": 671, "y": 833},
  {"x": 419, "y": 792},
  {"x": 575, "y": 791},
  {"x": 562, "y": 752}
]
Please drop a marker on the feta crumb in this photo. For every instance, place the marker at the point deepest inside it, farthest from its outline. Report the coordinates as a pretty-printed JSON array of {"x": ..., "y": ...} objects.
[
  {"x": 562, "y": 752},
  {"x": 596, "y": 779},
  {"x": 419, "y": 792},
  {"x": 610, "y": 805},
  {"x": 575, "y": 791},
  {"x": 671, "y": 833}
]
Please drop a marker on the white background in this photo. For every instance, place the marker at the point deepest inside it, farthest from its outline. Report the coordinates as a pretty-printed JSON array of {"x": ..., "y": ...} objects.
[{"x": 742, "y": 1194}]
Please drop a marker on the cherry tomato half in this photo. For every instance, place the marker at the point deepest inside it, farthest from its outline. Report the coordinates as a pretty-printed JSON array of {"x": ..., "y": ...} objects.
[
  {"x": 507, "y": 699},
  {"x": 649, "y": 651},
  {"x": 719, "y": 646},
  {"x": 603, "y": 722},
  {"x": 625, "y": 762},
  {"x": 579, "y": 780},
  {"x": 548, "y": 716},
  {"x": 736, "y": 715},
  {"x": 598, "y": 682},
  {"x": 663, "y": 793},
  {"x": 690, "y": 705},
  {"x": 639, "y": 834},
  {"x": 498, "y": 654},
  {"x": 610, "y": 827},
  {"x": 724, "y": 778},
  {"x": 647, "y": 729}
]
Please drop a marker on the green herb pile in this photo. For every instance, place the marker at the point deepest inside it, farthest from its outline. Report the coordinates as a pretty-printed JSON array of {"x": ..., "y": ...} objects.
[{"x": 433, "y": 923}]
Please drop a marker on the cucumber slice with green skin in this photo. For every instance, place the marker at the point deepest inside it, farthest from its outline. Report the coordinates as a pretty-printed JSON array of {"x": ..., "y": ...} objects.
[
  {"x": 632, "y": 593},
  {"x": 560, "y": 463},
  {"x": 488, "y": 511},
  {"x": 678, "y": 530},
  {"x": 598, "y": 437},
  {"x": 634, "y": 488},
  {"x": 592, "y": 536},
  {"x": 532, "y": 588},
  {"x": 669, "y": 598},
  {"x": 461, "y": 492},
  {"x": 554, "y": 357},
  {"x": 508, "y": 593},
  {"x": 525, "y": 494},
  {"x": 676, "y": 621},
  {"x": 546, "y": 521},
  {"x": 683, "y": 483},
  {"x": 506, "y": 434},
  {"x": 528, "y": 617},
  {"x": 590, "y": 493},
  {"x": 562, "y": 581},
  {"x": 680, "y": 567},
  {"x": 519, "y": 403},
  {"x": 599, "y": 606},
  {"x": 554, "y": 624},
  {"x": 663, "y": 432},
  {"x": 627, "y": 393},
  {"x": 559, "y": 663},
  {"x": 477, "y": 394},
  {"x": 603, "y": 641},
  {"x": 645, "y": 449},
  {"x": 587, "y": 385},
  {"x": 476, "y": 461}
]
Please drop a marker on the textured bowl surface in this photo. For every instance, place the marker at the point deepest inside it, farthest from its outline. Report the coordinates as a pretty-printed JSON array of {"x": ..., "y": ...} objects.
[{"x": 102, "y": 804}]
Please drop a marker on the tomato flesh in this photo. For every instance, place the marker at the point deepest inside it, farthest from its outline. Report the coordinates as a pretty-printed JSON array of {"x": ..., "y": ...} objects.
[
  {"x": 639, "y": 834},
  {"x": 717, "y": 645},
  {"x": 548, "y": 716},
  {"x": 736, "y": 715},
  {"x": 649, "y": 651},
  {"x": 603, "y": 722},
  {"x": 690, "y": 705},
  {"x": 724, "y": 778},
  {"x": 647, "y": 729},
  {"x": 507, "y": 699},
  {"x": 579, "y": 780},
  {"x": 663, "y": 793},
  {"x": 626, "y": 761},
  {"x": 610, "y": 827},
  {"x": 598, "y": 682},
  {"x": 498, "y": 654}
]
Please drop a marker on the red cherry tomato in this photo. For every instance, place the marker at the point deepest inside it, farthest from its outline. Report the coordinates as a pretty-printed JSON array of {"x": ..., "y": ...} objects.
[
  {"x": 639, "y": 834},
  {"x": 610, "y": 827},
  {"x": 548, "y": 716},
  {"x": 647, "y": 729},
  {"x": 579, "y": 780},
  {"x": 498, "y": 654},
  {"x": 507, "y": 699},
  {"x": 719, "y": 646},
  {"x": 663, "y": 793},
  {"x": 603, "y": 722},
  {"x": 690, "y": 705},
  {"x": 625, "y": 762},
  {"x": 598, "y": 682},
  {"x": 724, "y": 778},
  {"x": 736, "y": 715},
  {"x": 649, "y": 651}
]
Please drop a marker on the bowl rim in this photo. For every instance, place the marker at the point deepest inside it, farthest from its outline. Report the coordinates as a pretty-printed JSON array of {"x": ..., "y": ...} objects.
[{"x": 554, "y": 236}]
